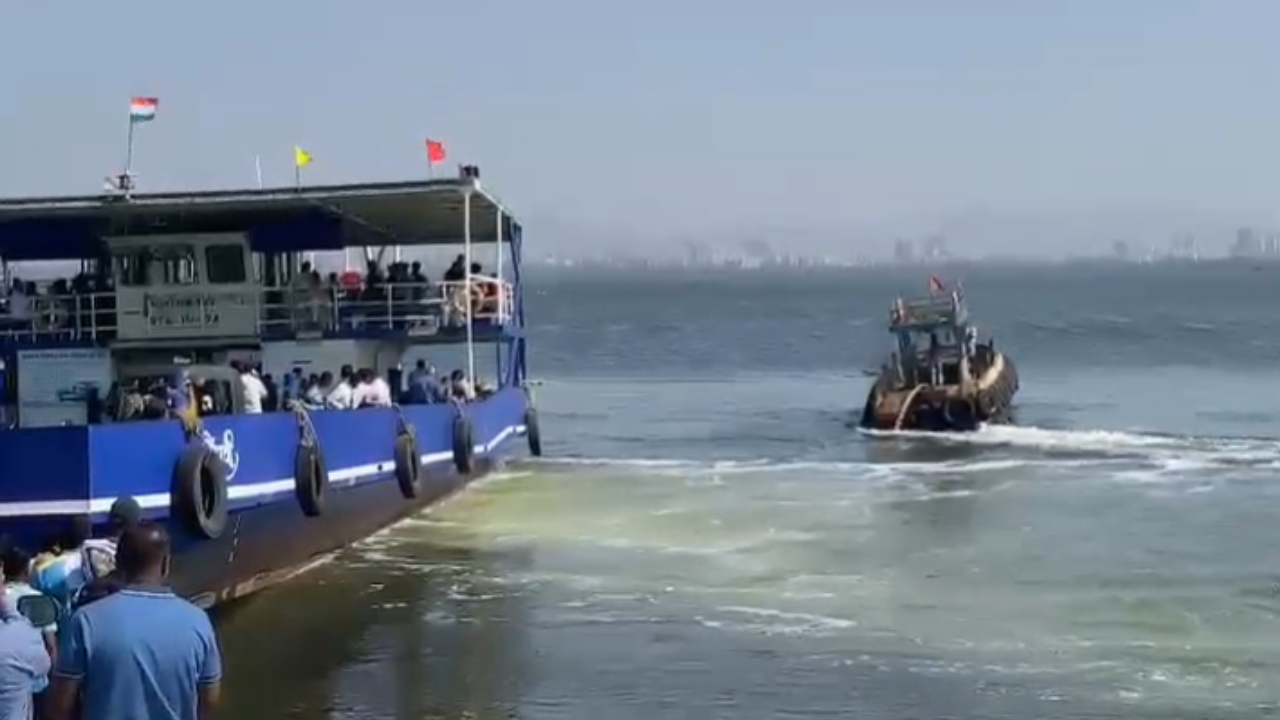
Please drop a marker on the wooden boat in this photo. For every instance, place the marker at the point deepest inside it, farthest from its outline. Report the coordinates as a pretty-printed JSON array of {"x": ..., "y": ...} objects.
[{"x": 940, "y": 378}]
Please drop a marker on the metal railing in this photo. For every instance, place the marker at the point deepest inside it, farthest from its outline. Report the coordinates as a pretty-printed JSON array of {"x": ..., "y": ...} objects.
[
  {"x": 412, "y": 308},
  {"x": 934, "y": 310},
  {"x": 63, "y": 317}
]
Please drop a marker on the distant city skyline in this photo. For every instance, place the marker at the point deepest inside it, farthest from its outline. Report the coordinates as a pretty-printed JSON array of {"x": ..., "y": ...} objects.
[{"x": 830, "y": 128}]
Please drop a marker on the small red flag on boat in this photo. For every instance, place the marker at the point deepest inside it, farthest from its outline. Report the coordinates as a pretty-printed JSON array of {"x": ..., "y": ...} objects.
[
  {"x": 435, "y": 151},
  {"x": 936, "y": 287}
]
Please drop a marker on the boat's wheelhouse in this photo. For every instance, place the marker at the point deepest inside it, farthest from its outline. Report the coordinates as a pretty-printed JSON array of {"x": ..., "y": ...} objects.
[{"x": 930, "y": 333}]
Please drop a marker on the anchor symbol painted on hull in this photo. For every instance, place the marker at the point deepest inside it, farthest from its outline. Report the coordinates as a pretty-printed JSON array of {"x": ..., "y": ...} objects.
[{"x": 225, "y": 450}]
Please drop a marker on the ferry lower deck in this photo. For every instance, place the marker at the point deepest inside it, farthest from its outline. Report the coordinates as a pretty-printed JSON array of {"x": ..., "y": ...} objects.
[{"x": 175, "y": 289}]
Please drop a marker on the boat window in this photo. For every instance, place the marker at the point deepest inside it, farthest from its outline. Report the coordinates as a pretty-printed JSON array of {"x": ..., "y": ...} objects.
[
  {"x": 176, "y": 263},
  {"x": 224, "y": 264},
  {"x": 132, "y": 267}
]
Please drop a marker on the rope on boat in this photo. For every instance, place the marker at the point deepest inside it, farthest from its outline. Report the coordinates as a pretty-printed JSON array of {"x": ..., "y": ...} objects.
[
  {"x": 403, "y": 427},
  {"x": 906, "y": 405},
  {"x": 306, "y": 428}
]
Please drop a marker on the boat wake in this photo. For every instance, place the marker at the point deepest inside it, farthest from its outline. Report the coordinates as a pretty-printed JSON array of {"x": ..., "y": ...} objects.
[{"x": 1113, "y": 455}]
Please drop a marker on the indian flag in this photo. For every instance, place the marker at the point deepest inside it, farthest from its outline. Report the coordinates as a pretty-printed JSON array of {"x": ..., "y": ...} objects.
[{"x": 143, "y": 109}]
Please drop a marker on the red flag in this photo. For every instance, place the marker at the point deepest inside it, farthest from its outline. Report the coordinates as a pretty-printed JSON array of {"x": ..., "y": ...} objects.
[
  {"x": 935, "y": 286},
  {"x": 435, "y": 152}
]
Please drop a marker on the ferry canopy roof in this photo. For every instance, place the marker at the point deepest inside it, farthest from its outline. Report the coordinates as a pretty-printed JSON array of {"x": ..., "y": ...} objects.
[{"x": 276, "y": 220}]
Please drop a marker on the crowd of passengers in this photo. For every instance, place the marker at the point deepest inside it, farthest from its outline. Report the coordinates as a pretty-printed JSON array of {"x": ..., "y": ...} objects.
[
  {"x": 401, "y": 292},
  {"x": 65, "y": 303},
  {"x": 118, "y": 643},
  {"x": 62, "y": 303},
  {"x": 350, "y": 389}
]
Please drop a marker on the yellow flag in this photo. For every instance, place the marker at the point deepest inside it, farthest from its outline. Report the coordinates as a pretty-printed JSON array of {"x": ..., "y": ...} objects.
[{"x": 301, "y": 158}]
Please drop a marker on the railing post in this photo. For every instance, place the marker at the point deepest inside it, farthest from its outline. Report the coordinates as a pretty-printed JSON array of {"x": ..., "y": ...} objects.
[{"x": 334, "y": 298}]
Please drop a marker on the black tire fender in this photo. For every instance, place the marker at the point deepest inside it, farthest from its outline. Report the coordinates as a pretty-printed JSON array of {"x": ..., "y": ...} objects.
[
  {"x": 464, "y": 446},
  {"x": 408, "y": 465},
  {"x": 532, "y": 432},
  {"x": 311, "y": 479},
  {"x": 198, "y": 497}
]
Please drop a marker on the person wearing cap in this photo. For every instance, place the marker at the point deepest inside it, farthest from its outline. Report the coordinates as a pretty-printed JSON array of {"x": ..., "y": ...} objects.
[
  {"x": 142, "y": 652},
  {"x": 102, "y": 576}
]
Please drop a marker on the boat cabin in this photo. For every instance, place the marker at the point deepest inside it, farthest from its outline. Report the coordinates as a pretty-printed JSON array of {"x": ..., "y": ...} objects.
[
  {"x": 230, "y": 275},
  {"x": 935, "y": 344}
]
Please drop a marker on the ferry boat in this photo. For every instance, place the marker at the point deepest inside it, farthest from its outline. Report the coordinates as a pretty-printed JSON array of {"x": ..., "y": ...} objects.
[
  {"x": 941, "y": 378},
  {"x": 184, "y": 285}
]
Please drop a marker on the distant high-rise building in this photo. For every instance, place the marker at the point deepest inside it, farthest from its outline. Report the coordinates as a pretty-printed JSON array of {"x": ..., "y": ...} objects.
[
  {"x": 904, "y": 251},
  {"x": 1120, "y": 250},
  {"x": 1247, "y": 244},
  {"x": 935, "y": 248}
]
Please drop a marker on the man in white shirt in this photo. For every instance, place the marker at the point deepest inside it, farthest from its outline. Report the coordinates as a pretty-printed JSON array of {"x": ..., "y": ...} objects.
[
  {"x": 370, "y": 391},
  {"x": 340, "y": 397},
  {"x": 254, "y": 391},
  {"x": 20, "y": 304}
]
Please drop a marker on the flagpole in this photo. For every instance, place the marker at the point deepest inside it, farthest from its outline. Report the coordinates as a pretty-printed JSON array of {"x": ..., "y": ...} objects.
[
  {"x": 297, "y": 175},
  {"x": 128, "y": 158},
  {"x": 257, "y": 168}
]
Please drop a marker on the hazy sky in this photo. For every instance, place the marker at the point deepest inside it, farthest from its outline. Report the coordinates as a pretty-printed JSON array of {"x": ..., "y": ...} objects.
[{"x": 662, "y": 118}]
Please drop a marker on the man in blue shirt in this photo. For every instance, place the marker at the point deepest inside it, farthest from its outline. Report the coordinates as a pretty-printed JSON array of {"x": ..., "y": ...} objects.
[
  {"x": 24, "y": 663},
  {"x": 424, "y": 385},
  {"x": 141, "y": 652}
]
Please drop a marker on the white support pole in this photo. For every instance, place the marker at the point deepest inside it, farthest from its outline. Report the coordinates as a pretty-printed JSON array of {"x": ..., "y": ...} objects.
[
  {"x": 502, "y": 303},
  {"x": 502, "y": 294},
  {"x": 466, "y": 258}
]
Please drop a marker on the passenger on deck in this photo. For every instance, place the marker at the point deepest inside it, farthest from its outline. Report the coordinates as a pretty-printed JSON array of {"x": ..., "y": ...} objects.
[
  {"x": 156, "y": 401},
  {"x": 970, "y": 341},
  {"x": 22, "y": 300},
  {"x": 457, "y": 272},
  {"x": 339, "y": 398},
  {"x": 202, "y": 398},
  {"x": 143, "y": 652},
  {"x": 24, "y": 663},
  {"x": 318, "y": 388},
  {"x": 132, "y": 404},
  {"x": 272, "y": 401},
  {"x": 421, "y": 285},
  {"x": 290, "y": 385},
  {"x": 254, "y": 391},
  {"x": 425, "y": 386},
  {"x": 460, "y": 388},
  {"x": 370, "y": 391},
  {"x": 935, "y": 360},
  {"x": 178, "y": 393}
]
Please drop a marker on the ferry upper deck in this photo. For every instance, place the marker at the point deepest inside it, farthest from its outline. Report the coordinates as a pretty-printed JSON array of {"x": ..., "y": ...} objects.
[{"x": 214, "y": 267}]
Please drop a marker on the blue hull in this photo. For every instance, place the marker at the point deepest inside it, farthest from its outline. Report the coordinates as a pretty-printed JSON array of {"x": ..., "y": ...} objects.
[{"x": 49, "y": 474}]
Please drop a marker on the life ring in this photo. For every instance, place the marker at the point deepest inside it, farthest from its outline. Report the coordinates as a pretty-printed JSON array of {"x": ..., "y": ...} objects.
[
  {"x": 532, "y": 433},
  {"x": 408, "y": 465},
  {"x": 310, "y": 478},
  {"x": 198, "y": 498},
  {"x": 464, "y": 448}
]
